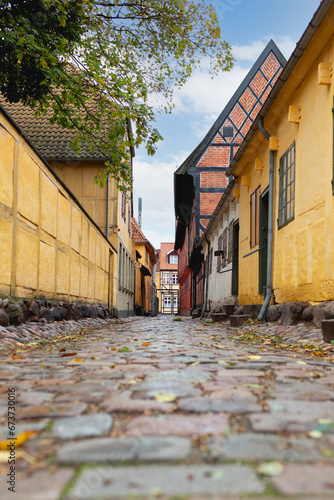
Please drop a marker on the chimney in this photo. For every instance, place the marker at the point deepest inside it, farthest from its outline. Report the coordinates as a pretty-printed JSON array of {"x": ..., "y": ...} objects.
[{"x": 140, "y": 201}]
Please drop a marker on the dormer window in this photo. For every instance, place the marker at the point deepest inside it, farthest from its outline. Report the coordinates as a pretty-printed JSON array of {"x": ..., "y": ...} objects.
[{"x": 172, "y": 259}]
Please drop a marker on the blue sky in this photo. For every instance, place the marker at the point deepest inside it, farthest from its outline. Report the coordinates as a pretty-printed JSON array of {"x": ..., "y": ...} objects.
[{"x": 247, "y": 26}]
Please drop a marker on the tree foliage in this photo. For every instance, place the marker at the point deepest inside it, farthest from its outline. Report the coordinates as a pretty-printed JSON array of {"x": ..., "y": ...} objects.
[{"x": 97, "y": 63}]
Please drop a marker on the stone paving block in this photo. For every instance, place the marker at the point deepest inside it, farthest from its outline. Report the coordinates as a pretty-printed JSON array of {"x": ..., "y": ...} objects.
[
  {"x": 33, "y": 398},
  {"x": 206, "y": 404},
  {"x": 261, "y": 447},
  {"x": 41, "y": 485},
  {"x": 237, "y": 372},
  {"x": 82, "y": 426},
  {"x": 124, "y": 403},
  {"x": 53, "y": 411},
  {"x": 125, "y": 449},
  {"x": 186, "y": 375},
  {"x": 178, "y": 425},
  {"x": 304, "y": 391},
  {"x": 19, "y": 428},
  {"x": 286, "y": 373},
  {"x": 165, "y": 482},
  {"x": 291, "y": 416},
  {"x": 306, "y": 480}
]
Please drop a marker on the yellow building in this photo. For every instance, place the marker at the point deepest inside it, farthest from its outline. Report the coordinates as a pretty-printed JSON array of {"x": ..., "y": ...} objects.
[
  {"x": 167, "y": 281},
  {"x": 49, "y": 246},
  {"x": 109, "y": 208},
  {"x": 297, "y": 142},
  {"x": 145, "y": 293}
]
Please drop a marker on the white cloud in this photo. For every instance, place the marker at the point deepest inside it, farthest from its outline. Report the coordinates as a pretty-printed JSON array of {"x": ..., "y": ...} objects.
[{"x": 153, "y": 182}]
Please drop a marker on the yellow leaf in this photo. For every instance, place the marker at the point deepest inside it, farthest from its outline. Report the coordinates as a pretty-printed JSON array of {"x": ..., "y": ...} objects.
[
  {"x": 301, "y": 363},
  {"x": 145, "y": 344},
  {"x": 195, "y": 364},
  {"x": 78, "y": 360},
  {"x": 20, "y": 439},
  {"x": 255, "y": 357},
  {"x": 165, "y": 398}
]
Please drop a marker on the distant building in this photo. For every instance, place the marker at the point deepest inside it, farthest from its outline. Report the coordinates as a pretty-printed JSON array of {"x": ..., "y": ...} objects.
[
  {"x": 145, "y": 293},
  {"x": 167, "y": 281}
]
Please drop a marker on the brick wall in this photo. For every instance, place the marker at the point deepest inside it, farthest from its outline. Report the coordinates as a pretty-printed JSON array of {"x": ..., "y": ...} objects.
[{"x": 213, "y": 179}]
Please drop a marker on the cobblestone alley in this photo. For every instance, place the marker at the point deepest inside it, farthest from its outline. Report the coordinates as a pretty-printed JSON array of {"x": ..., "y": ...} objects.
[{"x": 156, "y": 408}]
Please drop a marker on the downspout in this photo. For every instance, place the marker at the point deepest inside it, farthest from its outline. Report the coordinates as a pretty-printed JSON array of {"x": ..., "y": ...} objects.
[
  {"x": 206, "y": 279},
  {"x": 108, "y": 205},
  {"x": 269, "y": 285}
]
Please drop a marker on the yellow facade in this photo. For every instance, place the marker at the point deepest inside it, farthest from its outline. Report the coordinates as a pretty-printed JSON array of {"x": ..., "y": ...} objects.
[
  {"x": 79, "y": 177},
  {"x": 145, "y": 286},
  {"x": 47, "y": 244},
  {"x": 303, "y": 249}
]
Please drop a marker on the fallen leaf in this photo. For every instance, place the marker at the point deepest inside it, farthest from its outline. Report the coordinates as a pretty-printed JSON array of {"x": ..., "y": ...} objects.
[
  {"x": 78, "y": 360},
  {"x": 145, "y": 344},
  {"x": 254, "y": 357},
  {"x": 20, "y": 439},
  {"x": 124, "y": 349},
  {"x": 301, "y": 363},
  {"x": 165, "y": 398},
  {"x": 195, "y": 364},
  {"x": 68, "y": 354},
  {"x": 271, "y": 469},
  {"x": 315, "y": 434}
]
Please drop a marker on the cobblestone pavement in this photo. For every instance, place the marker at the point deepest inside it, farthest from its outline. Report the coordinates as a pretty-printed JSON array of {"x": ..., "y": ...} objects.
[{"x": 154, "y": 408}]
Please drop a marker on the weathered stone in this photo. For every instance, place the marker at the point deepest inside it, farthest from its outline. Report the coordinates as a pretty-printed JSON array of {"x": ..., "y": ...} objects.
[
  {"x": 124, "y": 449},
  {"x": 14, "y": 313},
  {"x": 166, "y": 482},
  {"x": 306, "y": 480},
  {"x": 308, "y": 314},
  {"x": 238, "y": 311},
  {"x": 33, "y": 398},
  {"x": 178, "y": 425},
  {"x": 100, "y": 312},
  {"x": 273, "y": 313},
  {"x": 327, "y": 326},
  {"x": 4, "y": 318},
  {"x": 323, "y": 311},
  {"x": 34, "y": 311},
  {"x": 82, "y": 426},
  {"x": 125, "y": 404},
  {"x": 64, "y": 313},
  {"x": 260, "y": 447},
  {"x": 56, "y": 316},
  {"x": 306, "y": 391},
  {"x": 291, "y": 416},
  {"x": 239, "y": 320},
  {"x": 229, "y": 309},
  {"x": 252, "y": 310},
  {"x": 218, "y": 317},
  {"x": 45, "y": 313},
  {"x": 53, "y": 410},
  {"x": 41, "y": 485},
  {"x": 24, "y": 311},
  {"x": 206, "y": 404},
  {"x": 5, "y": 302},
  {"x": 180, "y": 375},
  {"x": 74, "y": 312},
  {"x": 291, "y": 312}
]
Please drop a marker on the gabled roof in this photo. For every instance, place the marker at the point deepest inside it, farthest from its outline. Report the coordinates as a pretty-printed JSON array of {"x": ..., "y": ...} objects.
[
  {"x": 51, "y": 141},
  {"x": 139, "y": 237},
  {"x": 197, "y": 152},
  {"x": 301, "y": 46}
]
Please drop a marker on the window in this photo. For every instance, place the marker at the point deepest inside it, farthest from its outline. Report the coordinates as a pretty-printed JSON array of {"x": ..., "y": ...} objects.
[
  {"x": 172, "y": 259},
  {"x": 167, "y": 300},
  {"x": 230, "y": 243},
  {"x": 210, "y": 260},
  {"x": 220, "y": 247},
  {"x": 224, "y": 259},
  {"x": 286, "y": 207},
  {"x": 123, "y": 208},
  {"x": 254, "y": 217},
  {"x": 174, "y": 279},
  {"x": 165, "y": 278},
  {"x": 176, "y": 302}
]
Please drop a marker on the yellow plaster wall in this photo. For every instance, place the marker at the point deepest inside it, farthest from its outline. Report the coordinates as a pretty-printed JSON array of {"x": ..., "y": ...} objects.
[
  {"x": 303, "y": 262},
  {"x": 48, "y": 246}
]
